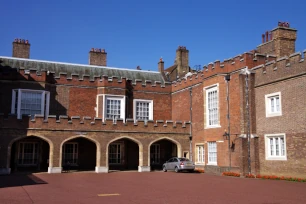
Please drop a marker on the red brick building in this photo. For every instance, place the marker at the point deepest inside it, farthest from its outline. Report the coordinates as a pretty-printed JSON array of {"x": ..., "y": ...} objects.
[{"x": 57, "y": 116}]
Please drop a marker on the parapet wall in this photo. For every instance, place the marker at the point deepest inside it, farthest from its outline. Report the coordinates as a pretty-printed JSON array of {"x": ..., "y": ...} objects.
[
  {"x": 85, "y": 80},
  {"x": 280, "y": 69},
  {"x": 250, "y": 59},
  {"x": 75, "y": 123}
]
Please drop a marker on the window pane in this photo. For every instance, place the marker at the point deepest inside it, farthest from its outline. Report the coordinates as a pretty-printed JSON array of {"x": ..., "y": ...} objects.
[
  {"x": 212, "y": 107},
  {"x": 142, "y": 110},
  {"x": 30, "y": 103},
  {"x": 113, "y": 108}
]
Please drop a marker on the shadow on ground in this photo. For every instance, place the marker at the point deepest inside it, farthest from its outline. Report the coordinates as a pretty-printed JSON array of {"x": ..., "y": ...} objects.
[{"x": 15, "y": 180}]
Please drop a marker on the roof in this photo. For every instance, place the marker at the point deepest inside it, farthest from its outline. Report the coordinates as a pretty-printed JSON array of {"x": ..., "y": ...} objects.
[
  {"x": 90, "y": 70},
  {"x": 171, "y": 69}
]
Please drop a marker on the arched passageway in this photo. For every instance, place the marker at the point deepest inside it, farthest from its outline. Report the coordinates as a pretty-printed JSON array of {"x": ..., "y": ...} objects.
[
  {"x": 30, "y": 154},
  {"x": 79, "y": 154},
  {"x": 160, "y": 152},
  {"x": 123, "y": 154}
]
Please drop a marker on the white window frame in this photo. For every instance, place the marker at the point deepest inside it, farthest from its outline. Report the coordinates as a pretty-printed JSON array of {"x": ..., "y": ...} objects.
[
  {"x": 45, "y": 101},
  {"x": 119, "y": 146},
  {"x": 268, "y": 147},
  {"x": 268, "y": 98},
  {"x": 114, "y": 97},
  {"x": 21, "y": 152},
  {"x": 200, "y": 153},
  {"x": 150, "y": 107},
  {"x": 75, "y": 153},
  {"x": 208, "y": 89},
  {"x": 209, "y": 152},
  {"x": 156, "y": 154}
]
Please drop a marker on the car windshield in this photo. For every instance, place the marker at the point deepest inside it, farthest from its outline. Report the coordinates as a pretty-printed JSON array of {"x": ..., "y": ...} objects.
[{"x": 183, "y": 159}]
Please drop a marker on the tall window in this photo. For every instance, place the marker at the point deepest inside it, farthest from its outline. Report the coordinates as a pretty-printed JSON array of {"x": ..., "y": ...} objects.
[
  {"x": 71, "y": 153},
  {"x": 212, "y": 153},
  {"x": 30, "y": 102},
  {"x": 273, "y": 104},
  {"x": 212, "y": 106},
  {"x": 276, "y": 147},
  {"x": 155, "y": 154},
  {"x": 114, "y": 107},
  {"x": 28, "y": 153},
  {"x": 200, "y": 153},
  {"x": 114, "y": 154},
  {"x": 143, "y": 109}
]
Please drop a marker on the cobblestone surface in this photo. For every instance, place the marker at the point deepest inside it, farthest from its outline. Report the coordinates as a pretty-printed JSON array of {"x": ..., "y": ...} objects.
[{"x": 153, "y": 187}]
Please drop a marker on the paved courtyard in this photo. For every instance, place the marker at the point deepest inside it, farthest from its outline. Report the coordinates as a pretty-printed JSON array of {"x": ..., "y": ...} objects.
[{"x": 153, "y": 187}]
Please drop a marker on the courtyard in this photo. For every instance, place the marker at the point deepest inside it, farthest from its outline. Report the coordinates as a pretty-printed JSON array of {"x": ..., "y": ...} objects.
[{"x": 152, "y": 187}]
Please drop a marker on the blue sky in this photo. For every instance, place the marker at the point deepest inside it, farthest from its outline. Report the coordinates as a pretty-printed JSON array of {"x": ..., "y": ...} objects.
[{"x": 135, "y": 32}]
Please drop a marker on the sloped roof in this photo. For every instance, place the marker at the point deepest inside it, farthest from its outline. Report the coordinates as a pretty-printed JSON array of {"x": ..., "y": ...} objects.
[
  {"x": 171, "y": 69},
  {"x": 90, "y": 70}
]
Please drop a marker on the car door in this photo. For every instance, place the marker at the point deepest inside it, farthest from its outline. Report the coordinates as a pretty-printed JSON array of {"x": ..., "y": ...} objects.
[
  {"x": 168, "y": 164},
  {"x": 175, "y": 163}
]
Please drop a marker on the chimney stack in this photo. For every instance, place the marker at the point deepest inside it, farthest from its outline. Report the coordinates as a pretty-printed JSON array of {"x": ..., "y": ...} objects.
[
  {"x": 182, "y": 60},
  {"x": 21, "y": 48},
  {"x": 97, "y": 57},
  {"x": 161, "y": 67}
]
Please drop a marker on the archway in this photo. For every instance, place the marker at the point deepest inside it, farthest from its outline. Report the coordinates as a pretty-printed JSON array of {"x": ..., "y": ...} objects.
[
  {"x": 30, "y": 154},
  {"x": 78, "y": 154},
  {"x": 124, "y": 153},
  {"x": 161, "y": 150}
]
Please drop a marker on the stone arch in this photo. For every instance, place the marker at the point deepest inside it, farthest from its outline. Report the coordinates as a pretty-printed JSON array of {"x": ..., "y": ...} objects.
[
  {"x": 98, "y": 146},
  {"x": 134, "y": 140},
  {"x": 51, "y": 146},
  {"x": 179, "y": 147}
]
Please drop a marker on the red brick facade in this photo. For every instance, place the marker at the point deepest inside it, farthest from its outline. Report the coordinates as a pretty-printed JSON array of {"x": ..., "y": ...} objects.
[{"x": 77, "y": 111}]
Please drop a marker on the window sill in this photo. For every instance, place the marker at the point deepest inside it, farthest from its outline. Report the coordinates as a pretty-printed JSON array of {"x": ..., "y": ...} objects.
[
  {"x": 276, "y": 158},
  {"x": 212, "y": 164},
  {"x": 199, "y": 163},
  {"x": 269, "y": 115},
  {"x": 211, "y": 127}
]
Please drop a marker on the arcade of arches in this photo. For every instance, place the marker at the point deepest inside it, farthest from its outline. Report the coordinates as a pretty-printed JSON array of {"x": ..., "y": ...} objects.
[{"x": 83, "y": 153}]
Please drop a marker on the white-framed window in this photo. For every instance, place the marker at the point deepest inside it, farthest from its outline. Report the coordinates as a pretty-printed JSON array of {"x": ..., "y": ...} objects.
[
  {"x": 200, "y": 154},
  {"x": 114, "y": 153},
  {"x": 143, "y": 109},
  {"x": 275, "y": 147},
  {"x": 212, "y": 153},
  {"x": 71, "y": 153},
  {"x": 273, "y": 104},
  {"x": 155, "y": 154},
  {"x": 114, "y": 107},
  {"x": 27, "y": 153},
  {"x": 212, "y": 106},
  {"x": 30, "y": 102}
]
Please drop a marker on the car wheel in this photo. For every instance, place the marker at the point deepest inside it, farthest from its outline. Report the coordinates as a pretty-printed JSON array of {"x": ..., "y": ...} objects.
[
  {"x": 164, "y": 169},
  {"x": 176, "y": 169}
]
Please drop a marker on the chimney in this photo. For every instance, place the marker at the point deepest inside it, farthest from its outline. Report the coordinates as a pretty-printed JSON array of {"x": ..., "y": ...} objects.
[
  {"x": 97, "y": 57},
  {"x": 21, "y": 48},
  {"x": 279, "y": 41},
  {"x": 182, "y": 60},
  {"x": 161, "y": 67}
]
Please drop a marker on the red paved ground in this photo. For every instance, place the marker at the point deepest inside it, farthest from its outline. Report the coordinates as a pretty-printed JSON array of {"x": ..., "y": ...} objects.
[{"x": 154, "y": 187}]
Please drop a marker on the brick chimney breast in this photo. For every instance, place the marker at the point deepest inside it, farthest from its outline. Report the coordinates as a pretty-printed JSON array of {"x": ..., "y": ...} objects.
[
  {"x": 97, "y": 57},
  {"x": 21, "y": 48}
]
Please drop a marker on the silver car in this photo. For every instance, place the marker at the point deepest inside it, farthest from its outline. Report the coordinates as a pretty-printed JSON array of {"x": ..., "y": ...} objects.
[{"x": 178, "y": 164}]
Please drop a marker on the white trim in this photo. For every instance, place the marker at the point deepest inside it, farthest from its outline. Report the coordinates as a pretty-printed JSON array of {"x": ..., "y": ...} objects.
[
  {"x": 207, "y": 89},
  {"x": 122, "y": 105},
  {"x": 197, "y": 153},
  {"x": 150, "y": 107},
  {"x": 268, "y": 104},
  {"x": 210, "y": 162},
  {"x": 45, "y": 100},
  {"x": 268, "y": 150},
  {"x": 82, "y": 65}
]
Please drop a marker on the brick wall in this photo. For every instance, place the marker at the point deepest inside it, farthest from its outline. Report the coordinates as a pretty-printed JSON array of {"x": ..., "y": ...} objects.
[{"x": 286, "y": 76}]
